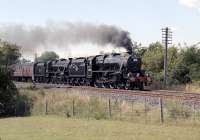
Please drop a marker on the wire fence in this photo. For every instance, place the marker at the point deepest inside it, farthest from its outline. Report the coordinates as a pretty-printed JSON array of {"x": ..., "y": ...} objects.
[{"x": 136, "y": 108}]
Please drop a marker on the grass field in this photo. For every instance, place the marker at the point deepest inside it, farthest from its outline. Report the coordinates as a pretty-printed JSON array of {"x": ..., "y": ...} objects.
[{"x": 60, "y": 128}]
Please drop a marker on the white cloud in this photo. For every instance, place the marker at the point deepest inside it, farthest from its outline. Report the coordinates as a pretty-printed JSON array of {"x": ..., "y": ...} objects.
[{"x": 191, "y": 3}]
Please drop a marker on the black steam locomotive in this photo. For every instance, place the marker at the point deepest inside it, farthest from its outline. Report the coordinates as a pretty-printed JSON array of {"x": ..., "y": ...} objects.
[{"x": 114, "y": 70}]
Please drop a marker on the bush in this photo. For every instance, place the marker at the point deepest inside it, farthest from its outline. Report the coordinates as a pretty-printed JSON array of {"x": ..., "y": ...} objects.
[
  {"x": 23, "y": 105},
  {"x": 97, "y": 109},
  {"x": 11, "y": 102},
  {"x": 8, "y": 95}
]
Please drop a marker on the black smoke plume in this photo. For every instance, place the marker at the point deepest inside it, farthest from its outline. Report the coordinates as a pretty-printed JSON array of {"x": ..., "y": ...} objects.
[{"x": 64, "y": 34}]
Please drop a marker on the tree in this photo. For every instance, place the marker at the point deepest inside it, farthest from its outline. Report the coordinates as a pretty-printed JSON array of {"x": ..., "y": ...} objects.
[
  {"x": 1, "y": 57},
  {"x": 153, "y": 61},
  {"x": 153, "y": 58},
  {"x": 139, "y": 51},
  {"x": 8, "y": 94},
  {"x": 190, "y": 55},
  {"x": 181, "y": 74},
  {"x": 188, "y": 65},
  {"x": 173, "y": 56},
  {"x": 46, "y": 56},
  {"x": 9, "y": 53}
]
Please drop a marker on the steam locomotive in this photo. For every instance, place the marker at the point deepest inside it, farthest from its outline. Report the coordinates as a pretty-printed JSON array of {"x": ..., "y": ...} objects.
[{"x": 114, "y": 70}]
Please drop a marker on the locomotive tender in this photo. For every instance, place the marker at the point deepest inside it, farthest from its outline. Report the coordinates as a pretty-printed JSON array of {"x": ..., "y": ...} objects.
[{"x": 114, "y": 70}]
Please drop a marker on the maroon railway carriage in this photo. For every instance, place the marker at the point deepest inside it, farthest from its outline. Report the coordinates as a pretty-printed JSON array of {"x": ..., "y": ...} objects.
[{"x": 23, "y": 72}]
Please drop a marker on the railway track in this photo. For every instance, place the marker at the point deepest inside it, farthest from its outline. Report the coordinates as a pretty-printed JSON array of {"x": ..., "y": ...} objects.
[{"x": 164, "y": 94}]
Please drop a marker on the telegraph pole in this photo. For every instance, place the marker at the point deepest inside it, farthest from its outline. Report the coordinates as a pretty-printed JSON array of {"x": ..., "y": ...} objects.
[{"x": 166, "y": 40}]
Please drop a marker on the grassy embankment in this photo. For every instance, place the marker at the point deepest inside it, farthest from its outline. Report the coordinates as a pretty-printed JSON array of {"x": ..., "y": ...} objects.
[
  {"x": 72, "y": 103},
  {"x": 55, "y": 127},
  {"x": 91, "y": 119}
]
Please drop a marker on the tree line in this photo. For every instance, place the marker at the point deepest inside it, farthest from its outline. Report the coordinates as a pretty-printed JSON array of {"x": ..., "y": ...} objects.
[{"x": 183, "y": 63}]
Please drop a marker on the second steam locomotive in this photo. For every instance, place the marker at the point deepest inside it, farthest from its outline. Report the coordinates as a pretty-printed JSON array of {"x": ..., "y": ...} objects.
[{"x": 114, "y": 70}]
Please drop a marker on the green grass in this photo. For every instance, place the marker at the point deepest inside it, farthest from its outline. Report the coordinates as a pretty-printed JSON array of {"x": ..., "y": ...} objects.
[{"x": 60, "y": 128}]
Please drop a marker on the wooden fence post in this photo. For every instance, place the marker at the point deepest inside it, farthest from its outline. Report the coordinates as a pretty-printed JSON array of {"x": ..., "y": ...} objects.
[
  {"x": 25, "y": 104},
  {"x": 145, "y": 109},
  {"x": 161, "y": 110},
  {"x": 73, "y": 108},
  {"x": 132, "y": 106},
  {"x": 109, "y": 108},
  {"x": 194, "y": 110},
  {"x": 88, "y": 115},
  {"x": 46, "y": 106},
  {"x": 120, "y": 109}
]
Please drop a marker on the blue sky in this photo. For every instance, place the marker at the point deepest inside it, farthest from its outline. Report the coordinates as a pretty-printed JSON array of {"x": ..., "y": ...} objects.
[{"x": 142, "y": 18}]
